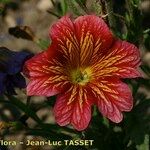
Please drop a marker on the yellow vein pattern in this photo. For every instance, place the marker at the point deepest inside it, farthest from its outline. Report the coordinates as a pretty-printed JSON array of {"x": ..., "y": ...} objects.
[
  {"x": 86, "y": 48},
  {"x": 78, "y": 95}
]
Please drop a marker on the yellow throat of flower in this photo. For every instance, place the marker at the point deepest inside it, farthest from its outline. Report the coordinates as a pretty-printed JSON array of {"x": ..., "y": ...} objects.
[{"x": 81, "y": 76}]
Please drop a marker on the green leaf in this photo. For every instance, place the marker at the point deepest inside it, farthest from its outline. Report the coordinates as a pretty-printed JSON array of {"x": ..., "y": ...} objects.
[
  {"x": 146, "y": 69},
  {"x": 26, "y": 109},
  {"x": 58, "y": 128},
  {"x": 96, "y": 8},
  {"x": 64, "y": 7},
  {"x": 1, "y": 10},
  {"x": 145, "y": 145},
  {"x": 83, "y": 2},
  {"x": 5, "y": 1},
  {"x": 73, "y": 6},
  {"x": 43, "y": 44},
  {"x": 106, "y": 122},
  {"x": 133, "y": 20},
  {"x": 137, "y": 122},
  {"x": 47, "y": 134},
  {"x": 147, "y": 39}
]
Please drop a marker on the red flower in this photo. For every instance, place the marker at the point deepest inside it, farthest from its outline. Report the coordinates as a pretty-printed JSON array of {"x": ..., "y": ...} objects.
[{"x": 84, "y": 65}]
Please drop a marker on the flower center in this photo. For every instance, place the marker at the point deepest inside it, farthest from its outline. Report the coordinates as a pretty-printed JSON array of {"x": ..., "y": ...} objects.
[{"x": 81, "y": 76}]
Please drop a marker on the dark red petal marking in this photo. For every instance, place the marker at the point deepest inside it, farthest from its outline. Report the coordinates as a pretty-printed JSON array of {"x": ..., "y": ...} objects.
[
  {"x": 79, "y": 42},
  {"x": 63, "y": 35}
]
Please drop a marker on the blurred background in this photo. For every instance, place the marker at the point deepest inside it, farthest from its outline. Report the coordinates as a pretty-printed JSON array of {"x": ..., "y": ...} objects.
[{"x": 25, "y": 24}]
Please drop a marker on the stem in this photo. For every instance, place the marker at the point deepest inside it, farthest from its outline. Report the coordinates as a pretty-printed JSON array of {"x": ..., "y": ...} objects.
[
  {"x": 54, "y": 14},
  {"x": 83, "y": 7},
  {"x": 111, "y": 18},
  {"x": 103, "y": 8},
  {"x": 119, "y": 16},
  {"x": 128, "y": 5},
  {"x": 53, "y": 2},
  {"x": 28, "y": 100}
]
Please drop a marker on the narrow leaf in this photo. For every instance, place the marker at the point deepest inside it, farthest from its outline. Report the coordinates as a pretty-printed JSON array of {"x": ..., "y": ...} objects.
[{"x": 24, "y": 108}]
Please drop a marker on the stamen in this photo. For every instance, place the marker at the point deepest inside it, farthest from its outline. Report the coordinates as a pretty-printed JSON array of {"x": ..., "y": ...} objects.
[{"x": 81, "y": 76}]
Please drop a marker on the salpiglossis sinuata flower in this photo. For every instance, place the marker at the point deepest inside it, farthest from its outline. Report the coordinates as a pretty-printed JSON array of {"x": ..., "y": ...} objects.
[{"x": 84, "y": 66}]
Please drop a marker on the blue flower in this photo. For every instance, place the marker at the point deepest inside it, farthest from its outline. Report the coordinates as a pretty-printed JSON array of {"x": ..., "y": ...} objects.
[{"x": 11, "y": 64}]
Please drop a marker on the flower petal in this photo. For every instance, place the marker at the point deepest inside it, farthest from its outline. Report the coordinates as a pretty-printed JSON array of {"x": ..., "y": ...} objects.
[
  {"x": 47, "y": 75},
  {"x": 94, "y": 37},
  {"x": 122, "y": 60},
  {"x": 12, "y": 62},
  {"x": 113, "y": 97},
  {"x": 18, "y": 80},
  {"x": 82, "y": 40},
  {"x": 73, "y": 107},
  {"x": 14, "y": 81},
  {"x": 63, "y": 35}
]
